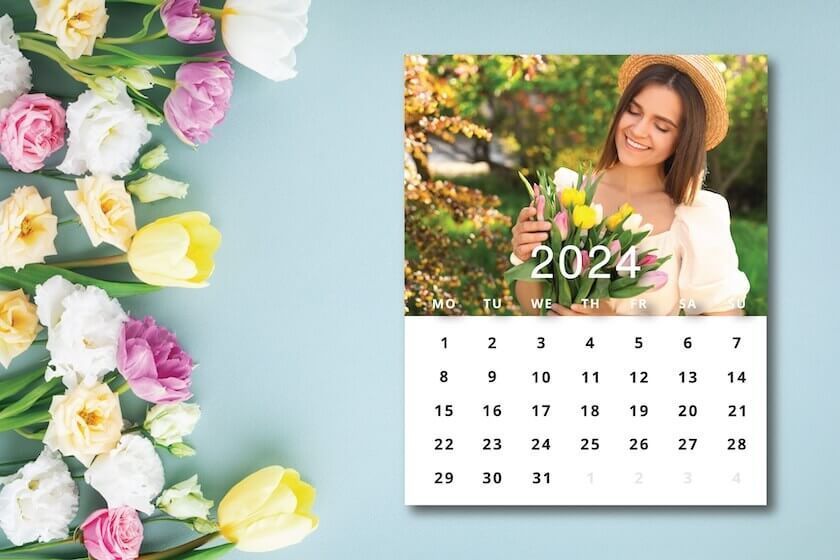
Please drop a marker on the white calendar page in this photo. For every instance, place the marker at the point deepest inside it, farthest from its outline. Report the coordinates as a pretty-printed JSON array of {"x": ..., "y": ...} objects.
[{"x": 563, "y": 345}]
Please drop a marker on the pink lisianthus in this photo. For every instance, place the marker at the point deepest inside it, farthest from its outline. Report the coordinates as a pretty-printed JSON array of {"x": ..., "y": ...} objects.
[
  {"x": 199, "y": 100},
  {"x": 31, "y": 129},
  {"x": 113, "y": 534},
  {"x": 185, "y": 22},
  {"x": 654, "y": 278},
  {"x": 153, "y": 363}
]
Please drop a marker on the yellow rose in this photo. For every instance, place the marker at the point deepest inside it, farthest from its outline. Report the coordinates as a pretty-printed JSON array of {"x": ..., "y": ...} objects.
[
  {"x": 105, "y": 209},
  {"x": 267, "y": 510},
  {"x": 584, "y": 217},
  {"x": 175, "y": 251},
  {"x": 27, "y": 228},
  {"x": 18, "y": 325},
  {"x": 84, "y": 422},
  {"x": 572, "y": 197},
  {"x": 75, "y": 24}
]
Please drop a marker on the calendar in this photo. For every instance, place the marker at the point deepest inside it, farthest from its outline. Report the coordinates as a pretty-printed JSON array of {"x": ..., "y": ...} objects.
[{"x": 581, "y": 334}]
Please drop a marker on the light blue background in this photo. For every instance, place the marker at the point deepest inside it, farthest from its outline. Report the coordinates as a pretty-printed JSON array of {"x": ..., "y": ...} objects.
[{"x": 300, "y": 334}]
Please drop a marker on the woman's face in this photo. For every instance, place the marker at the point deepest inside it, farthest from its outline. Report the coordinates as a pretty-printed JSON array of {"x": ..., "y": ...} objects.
[{"x": 647, "y": 131}]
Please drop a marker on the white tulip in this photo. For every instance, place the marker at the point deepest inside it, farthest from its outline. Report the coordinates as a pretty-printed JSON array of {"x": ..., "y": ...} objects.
[
  {"x": 263, "y": 34},
  {"x": 39, "y": 501},
  {"x": 632, "y": 223},
  {"x": 565, "y": 178},
  {"x": 599, "y": 213}
]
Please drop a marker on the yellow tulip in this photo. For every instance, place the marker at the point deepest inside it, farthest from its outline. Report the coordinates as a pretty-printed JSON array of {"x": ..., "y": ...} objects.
[
  {"x": 584, "y": 217},
  {"x": 572, "y": 197},
  {"x": 268, "y": 510},
  {"x": 614, "y": 221},
  {"x": 175, "y": 251},
  {"x": 625, "y": 210}
]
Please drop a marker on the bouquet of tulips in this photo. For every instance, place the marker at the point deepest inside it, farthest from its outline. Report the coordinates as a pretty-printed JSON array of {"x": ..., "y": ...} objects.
[
  {"x": 95, "y": 354},
  {"x": 587, "y": 256}
]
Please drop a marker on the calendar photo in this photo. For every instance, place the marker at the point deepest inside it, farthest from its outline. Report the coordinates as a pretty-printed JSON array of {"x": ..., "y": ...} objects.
[{"x": 628, "y": 192}]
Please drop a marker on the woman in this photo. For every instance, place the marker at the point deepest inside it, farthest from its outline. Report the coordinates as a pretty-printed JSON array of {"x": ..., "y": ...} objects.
[{"x": 671, "y": 111}]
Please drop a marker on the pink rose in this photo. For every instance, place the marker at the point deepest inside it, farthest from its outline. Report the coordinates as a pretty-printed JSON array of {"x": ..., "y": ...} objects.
[
  {"x": 153, "y": 363},
  {"x": 200, "y": 99},
  {"x": 185, "y": 22},
  {"x": 113, "y": 534},
  {"x": 31, "y": 129}
]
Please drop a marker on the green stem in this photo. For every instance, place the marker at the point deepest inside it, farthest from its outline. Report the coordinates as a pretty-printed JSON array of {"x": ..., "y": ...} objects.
[
  {"x": 43, "y": 172},
  {"x": 215, "y": 12},
  {"x": 171, "y": 84},
  {"x": 156, "y": 519},
  {"x": 37, "y": 546},
  {"x": 37, "y": 436},
  {"x": 86, "y": 263},
  {"x": 32, "y": 41},
  {"x": 69, "y": 221},
  {"x": 178, "y": 550},
  {"x": 144, "y": 2},
  {"x": 122, "y": 388}
]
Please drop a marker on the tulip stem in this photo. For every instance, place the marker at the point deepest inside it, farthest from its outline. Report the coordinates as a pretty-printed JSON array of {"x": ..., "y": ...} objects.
[
  {"x": 217, "y": 13},
  {"x": 86, "y": 263},
  {"x": 178, "y": 550},
  {"x": 164, "y": 82}
]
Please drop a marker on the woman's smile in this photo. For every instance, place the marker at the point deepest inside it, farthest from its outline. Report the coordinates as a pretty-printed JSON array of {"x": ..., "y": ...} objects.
[{"x": 633, "y": 145}]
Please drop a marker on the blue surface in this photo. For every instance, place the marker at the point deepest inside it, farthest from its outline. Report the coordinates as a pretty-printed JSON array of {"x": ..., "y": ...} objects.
[{"x": 300, "y": 335}]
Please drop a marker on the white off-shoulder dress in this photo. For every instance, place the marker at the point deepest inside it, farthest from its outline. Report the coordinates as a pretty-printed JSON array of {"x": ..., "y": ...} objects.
[{"x": 703, "y": 273}]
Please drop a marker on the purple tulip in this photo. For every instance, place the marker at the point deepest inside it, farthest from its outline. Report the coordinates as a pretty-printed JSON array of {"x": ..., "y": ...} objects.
[
  {"x": 185, "y": 22},
  {"x": 200, "y": 99},
  {"x": 561, "y": 220},
  {"x": 153, "y": 363},
  {"x": 654, "y": 278}
]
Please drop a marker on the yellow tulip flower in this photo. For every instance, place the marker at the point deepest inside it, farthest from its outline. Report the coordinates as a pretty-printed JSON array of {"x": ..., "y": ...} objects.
[
  {"x": 572, "y": 197},
  {"x": 584, "y": 217},
  {"x": 625, "y": 210},
  {"x": 175, "y": 251},
  {"x": 268, "y": 510},
  {"x": 614, "y": 221}
]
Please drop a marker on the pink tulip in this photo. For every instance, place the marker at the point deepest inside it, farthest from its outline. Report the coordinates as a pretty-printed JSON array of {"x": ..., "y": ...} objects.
[
  {"x": 113, "y": 534},
  {"x": 647, "y": 260},
  {"x": 536, "y": 190},
  {"x": 584, "y": 261},
  {"x": 561, "y": 220},
  {"x": 541, "y": 207},
  {"x": 31, "y": 129},
  {"x": 654, "y": 278},
  {"x": 185, "y": 22},
  {"x": 200, "y": 99}
]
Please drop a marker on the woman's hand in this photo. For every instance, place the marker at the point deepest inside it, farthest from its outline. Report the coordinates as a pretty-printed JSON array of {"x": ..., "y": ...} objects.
[
  {"x": 528, "y": 234},
  {"x": 605, "y": 307}
]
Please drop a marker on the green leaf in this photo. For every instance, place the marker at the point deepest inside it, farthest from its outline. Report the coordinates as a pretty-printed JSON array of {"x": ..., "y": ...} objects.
[
  {"x": 13, "y": 385},
  {"x": 624, "y": 239},
  {"x": 208, "y": 553},
  {"x": 602, "y": 289},
  {"x": 630, "y": 292},
  {"x": 24, "y": 420},
  {"x": 521, "y": 271},
  {"x": 527, "y": 185},
  {"x": 586, "y": 283},
  {"x": 31, "y": 275},
  {"x": 621, "y": 283},
  {"x": 564, "y": 297},
  {"x": 29, "y": 400}
]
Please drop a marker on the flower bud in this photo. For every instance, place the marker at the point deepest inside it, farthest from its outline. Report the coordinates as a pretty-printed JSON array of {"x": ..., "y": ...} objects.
[
  {"x": 152, "y": 187},
  {"x": 154, "y": 157}
]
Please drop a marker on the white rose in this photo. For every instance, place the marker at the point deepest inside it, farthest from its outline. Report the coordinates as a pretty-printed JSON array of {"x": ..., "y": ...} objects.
[
  {"x": 75, "y": 24},
  {"x": 130, "y": 475},
  {"x": 263, "y": 34},
  {"x": 169, "y": 423},
  {"x": 565, "y": 178},
  {"x": 83, "y": 330},
  {"x": 15, "y": 73},
  {"x": 39, "y": 501},
  {"x": 185, "y": 501},
  {"x": 105, "y": 136}
]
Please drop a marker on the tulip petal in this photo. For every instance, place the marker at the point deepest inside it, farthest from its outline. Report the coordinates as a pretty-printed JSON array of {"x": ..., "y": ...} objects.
[
  {"x": 248, "y": 495},
  {"x": 272, "y": 533}
]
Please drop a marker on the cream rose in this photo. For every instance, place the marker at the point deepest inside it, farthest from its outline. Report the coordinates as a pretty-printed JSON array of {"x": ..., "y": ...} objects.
[
  {"x": 106, "y": 211},
  {"x": 27, "y": 228},
  {"x": 18, "y": 325},
  {"x": 75, "y": 24},
  {"x": 84, "y": 422}
]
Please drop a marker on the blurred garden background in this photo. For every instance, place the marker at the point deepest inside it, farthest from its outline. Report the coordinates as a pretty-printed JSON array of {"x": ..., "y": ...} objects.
[{"x": 473, "y": 121}]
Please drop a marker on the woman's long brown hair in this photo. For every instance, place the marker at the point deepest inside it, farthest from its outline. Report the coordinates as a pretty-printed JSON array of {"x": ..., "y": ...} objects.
[{"x": 685, "y": 169}]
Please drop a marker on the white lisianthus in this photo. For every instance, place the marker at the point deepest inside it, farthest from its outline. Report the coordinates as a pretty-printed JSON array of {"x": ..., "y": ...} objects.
[
  {"x": 105, "y": 136},
  {"x": 38, "y": 502},
  {"x": 152, "y": 187},
  {"x": 15, "y": 73},
  {"x": 129, "y": 475},
  {"x": 565, "y": 178},
  {"x": 263, "y": 34},
  {"x": 75, "y": 24},
  {"x": 185, "y": 500},
  {"x": 169, "y": 423},
  {"x": 83, "y": 330}
]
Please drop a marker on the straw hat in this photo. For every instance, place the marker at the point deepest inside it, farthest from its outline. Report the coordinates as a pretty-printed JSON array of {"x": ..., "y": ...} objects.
[{"x": 706, "y": 77}]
